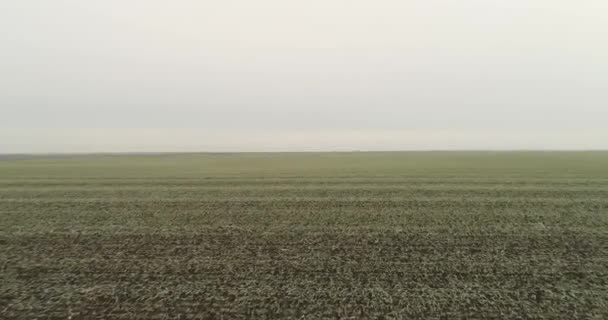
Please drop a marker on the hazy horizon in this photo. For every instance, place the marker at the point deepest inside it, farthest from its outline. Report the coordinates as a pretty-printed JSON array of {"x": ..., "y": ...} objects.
[{"x": 331, "y": 75}]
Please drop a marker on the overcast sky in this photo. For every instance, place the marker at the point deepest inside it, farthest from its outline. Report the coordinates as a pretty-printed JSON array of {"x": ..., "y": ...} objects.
[{"x": 267, "y": 75}]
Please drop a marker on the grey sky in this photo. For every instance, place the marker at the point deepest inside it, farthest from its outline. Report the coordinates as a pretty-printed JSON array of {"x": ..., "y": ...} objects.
[{"x": 187, "y": 75}]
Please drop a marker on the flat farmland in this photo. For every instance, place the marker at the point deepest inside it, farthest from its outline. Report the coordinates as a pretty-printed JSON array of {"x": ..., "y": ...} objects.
[{"x": 358, "y": 235}]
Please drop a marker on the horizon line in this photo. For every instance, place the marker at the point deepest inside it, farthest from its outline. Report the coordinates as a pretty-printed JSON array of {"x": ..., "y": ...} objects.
[{"x": 293, "y": 151}]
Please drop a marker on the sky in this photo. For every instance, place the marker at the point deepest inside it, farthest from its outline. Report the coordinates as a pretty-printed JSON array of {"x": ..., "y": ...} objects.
[{"x": 315, "y": 75}]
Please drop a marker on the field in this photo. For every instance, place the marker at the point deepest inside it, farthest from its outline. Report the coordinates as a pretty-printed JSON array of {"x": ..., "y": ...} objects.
[{"x": 402, "y": 235}]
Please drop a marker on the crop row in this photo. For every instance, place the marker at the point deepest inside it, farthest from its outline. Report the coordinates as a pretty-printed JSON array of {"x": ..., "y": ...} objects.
[{"x": 241, "y": 274}]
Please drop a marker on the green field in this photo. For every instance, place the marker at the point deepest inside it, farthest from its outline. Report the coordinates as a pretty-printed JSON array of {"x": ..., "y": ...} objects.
[{"x": 381, "y": 235}]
